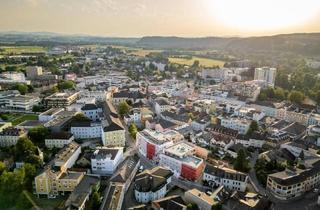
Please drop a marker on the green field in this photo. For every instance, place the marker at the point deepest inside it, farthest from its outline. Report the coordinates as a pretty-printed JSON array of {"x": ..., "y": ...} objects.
[
  {"x": 17, "y": 118},
  {"x": 205, "y": 62},
  {"x": 5, "y": 50}
]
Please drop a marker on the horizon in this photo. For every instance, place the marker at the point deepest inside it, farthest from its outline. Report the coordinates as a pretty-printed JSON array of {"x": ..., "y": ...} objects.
[{"x": 180, "y": 18}]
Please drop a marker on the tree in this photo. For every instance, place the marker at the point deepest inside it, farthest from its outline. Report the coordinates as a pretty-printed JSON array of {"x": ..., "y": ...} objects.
[
  {"x": 26, "y": 151},
  {"x": 279, "y": 93},
  {"x": 133, "y": 130},
  {"x": 66, "y": 85},
  {"x": 262, "y": 96},
  {"x": 23, "y": 89},
  {"x": 123, "y": 108},
  {"x": 216, "y": 206},
  {"x": 80, "y": 117},
  {"x": 296, "y": 97},
  {"x": 23, "y": 202},
  {"x": 196, "y": 64},
  {"x": 30, "y": 173},
  {"x": 254, "y": 126},
  {"x": 2, "y": 167},
  {"x": 241, "y": 163},
  {"x": 38, "y": 134},
  {"x": 192, "y": 206},
  {"x": 95, "y": 201}
]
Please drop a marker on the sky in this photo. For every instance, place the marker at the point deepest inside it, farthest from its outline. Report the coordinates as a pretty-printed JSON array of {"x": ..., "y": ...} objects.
[{"x": 136, "y": 18}]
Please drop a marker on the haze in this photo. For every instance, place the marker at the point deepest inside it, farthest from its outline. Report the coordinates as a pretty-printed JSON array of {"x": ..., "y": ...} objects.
[{"x": 129, "y": 18}]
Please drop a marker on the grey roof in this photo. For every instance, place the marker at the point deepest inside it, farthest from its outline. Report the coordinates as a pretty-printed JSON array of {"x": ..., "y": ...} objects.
[
  {"x": 225, "y": 173},
  {"x": 89, "y": 107}
]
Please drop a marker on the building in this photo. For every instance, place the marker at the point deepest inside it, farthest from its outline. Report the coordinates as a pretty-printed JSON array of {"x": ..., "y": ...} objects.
[
  {"x": 24, "y": 103},
  {"x": 161, "y": 105},
  {"x": 78, "y": 199},
  {"x": 13, "y": 78},
  {"x": 152, "y": 184},
  {"x": 266, "y": 74},
  {"x": 58, "y": 140},
  {"x": 151, "y": 143},
  {"x": 241, "y": 125},
  {"x": 203, "y": 201},
  {"x": 33, "y": 71},
  {"x": 104, "y": 161},
  {"x": 180, "y": 158},
  {"x": 86, "y": 130},
  {"x": 56, "y": 178},
  {"x": 227, "y": 177},
  {"x": 113, "y": 198},
  {"x": 114, "y": 133},
  {"x": 61, "y": 100},
  {"x": 92, "y": 112},
  {"x": 171, "y": 202},
  {"x": 295, "y": 182},
  {"x": 49, "y": 114},
  {"x": 10, "y": 136}
]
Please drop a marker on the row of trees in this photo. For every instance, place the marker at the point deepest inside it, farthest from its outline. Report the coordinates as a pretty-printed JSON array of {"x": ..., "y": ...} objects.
[{"x": 280, "y": 94}]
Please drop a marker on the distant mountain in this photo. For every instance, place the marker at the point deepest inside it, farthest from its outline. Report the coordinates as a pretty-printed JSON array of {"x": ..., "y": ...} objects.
[
  {"x": 304, "y": 43},
  {"x": 55, "y": 38}
]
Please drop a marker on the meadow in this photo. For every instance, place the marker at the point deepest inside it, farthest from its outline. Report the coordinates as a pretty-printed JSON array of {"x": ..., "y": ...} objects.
[
  {"x": 16, "y": 50},
  {"x": 205, "y": 62}
]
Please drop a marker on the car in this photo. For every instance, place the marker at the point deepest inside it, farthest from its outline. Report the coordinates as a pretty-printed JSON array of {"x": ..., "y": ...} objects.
[{"x": 141, "y": 169}]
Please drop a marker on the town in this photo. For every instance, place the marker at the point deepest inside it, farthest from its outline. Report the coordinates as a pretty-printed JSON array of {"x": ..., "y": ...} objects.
[{"x": 109, "y": 127}]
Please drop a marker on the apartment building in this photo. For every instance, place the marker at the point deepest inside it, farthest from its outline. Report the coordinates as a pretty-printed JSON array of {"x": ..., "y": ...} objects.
[
  {"x": 105, "y": 161},
  {"x": 161, "y": 105},
  {"x": 241, "y": 125},
  {"x": 151, "y": 143},
  {"x": 92, "y": 112},
  {"x": 266, "y": 74},
  {"x": 152, "y": 184},
  {"x": 114, "y": 134},
  {"x": 33, "y": 71},
  {"x": 24, "y": 103},
  {"x": 86, "y": 130},
  {"x": 61, "y": 100},
  {"x": 56, "y": 179},
  {"x": 180, "y": 158},
  {"x": 59, "y": 140},
  {"x": 10, "y": 136},
  {"x": 227, "y": 177},
  {"x": 295, "y": 182}
]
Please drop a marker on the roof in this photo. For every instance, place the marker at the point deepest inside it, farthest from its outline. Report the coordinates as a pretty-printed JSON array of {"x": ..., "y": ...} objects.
[
  {"x": 172, "y": 202},
  {"x": 166, "y": 124},
  {"x": 82, "y": 191},
  {"x": 152, "y": 180},
  {"x": 115, "y": 125},
  {"x": 295, "y": 129},
  {"x": 126, "y": 169},
  {"x": 60, "y": 135},
  {"x": 89, "y": 107},
  {"x": 104, "y": 153},
  {"x": 224, "y": 172}
]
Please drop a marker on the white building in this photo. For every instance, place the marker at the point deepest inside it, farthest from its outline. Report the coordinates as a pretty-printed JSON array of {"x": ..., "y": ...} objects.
[
  {"x": 229, "y": 178},
  {"x": 266, "y": 74},
  {"x": 10, "y": 136},
  {"x": 49, "y": 114},
  {"x": 152, "y": 184},
  {"x": 181, "y": 160},
  {"x": 24, "y": 103},
  {"x": 161, "y": 105},
  {"x": 92, "y": 112},
  {"x": 151, "y": 143},
  {"x": 238, "y": 124},
  {"x": 86, "y": 130},
  {"x": 105, "y": 161},
  {"x": 58, "y": 140}
]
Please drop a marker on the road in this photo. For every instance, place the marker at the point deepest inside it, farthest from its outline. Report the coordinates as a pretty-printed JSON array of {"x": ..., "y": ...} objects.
[{"x": 252, "y": 175}]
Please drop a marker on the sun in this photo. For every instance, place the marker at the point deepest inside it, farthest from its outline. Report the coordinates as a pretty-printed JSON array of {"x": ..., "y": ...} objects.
[{"x": 263, "y": 14}]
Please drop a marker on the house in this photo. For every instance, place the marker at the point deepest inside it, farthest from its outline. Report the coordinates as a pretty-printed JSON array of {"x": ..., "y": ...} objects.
[
  {"x": 58, "y": 140},
  {"x": 246, "y": 201},
  {"x": 241, "y": 125},
  {"x": 161, "y": 105},
  {"x": 171, "y": 202},
  {"x": 152, "y": 184},
  {"x": 114, "y": 133},
  {"x": 10, "y": 136},
  {"x": 91, "y": 111},
  {"x": 227, "y": 177},
  {"x": 104, "y": 161},
  {"x": 203, "y": 201},
  {"x": 86, "y": 130},
  {"x": 49, "y": 114}
]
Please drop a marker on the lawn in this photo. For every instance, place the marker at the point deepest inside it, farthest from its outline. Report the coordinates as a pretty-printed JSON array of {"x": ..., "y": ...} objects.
[
  {"x": 21, "y": 49},
  {"x": 17, "y": 118},
  {"x": 206, "y": 62}
]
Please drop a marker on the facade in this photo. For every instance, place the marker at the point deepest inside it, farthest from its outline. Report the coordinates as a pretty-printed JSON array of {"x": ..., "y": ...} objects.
[
  {"x": 105, "y": 161},
  {"x": 227, "y": 177},
  {"x": 114, "y": 134},
  {"x": 266, "y": 74},
  {"x": 33, "y": 71},
  {"x": 61, "y": 100},
  {"x": 49, "y": 114},
  {"x": 180, "y": 159},
  {"x": 56, "y": 179},
  {"x": 203, "y": 201},
  {"x": 152, "y": 184},
  {"x": 92, "y": 112},
  {"x": 10, "y": 136},
  {"x": 238, "y": 124},
  {"x": 24, "y": 103},
  {"x": 161, "y": 105},
  {"x": 295, "y": 182},
  {"x": 151, "y": 143},
  {"x": 86, "y": 130},
  {"x": 59, "y": 140}
]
